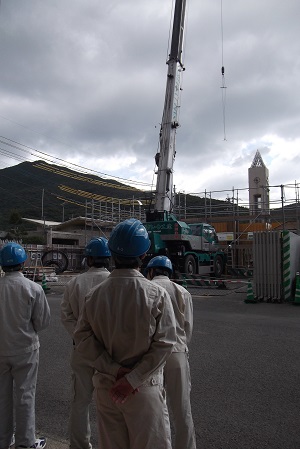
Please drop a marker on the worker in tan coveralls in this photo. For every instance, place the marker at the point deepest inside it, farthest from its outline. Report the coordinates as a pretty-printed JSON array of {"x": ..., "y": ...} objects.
[
  {"x": 98, "y": 258},
  {"x": 177, "y": 369},
  {"x": 127, "y": 329},
  {"x": 24, "y": 312}
]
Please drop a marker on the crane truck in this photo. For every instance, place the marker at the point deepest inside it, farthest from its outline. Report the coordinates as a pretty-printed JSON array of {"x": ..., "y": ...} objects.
[{"x": 192, "y": 248}]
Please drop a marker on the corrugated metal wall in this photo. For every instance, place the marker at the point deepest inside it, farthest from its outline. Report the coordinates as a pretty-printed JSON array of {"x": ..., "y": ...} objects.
[
  {"x": 267, "y": 276},
  {"x": 276, "y": 260}
]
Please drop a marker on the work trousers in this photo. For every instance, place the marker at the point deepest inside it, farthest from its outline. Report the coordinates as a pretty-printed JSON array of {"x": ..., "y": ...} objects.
[
  {"x": 142, "y": 422},
  {"x": 18, "y": 377},
  {"x": 177, "y": 381},
  {"x": 81, "y": 398}
]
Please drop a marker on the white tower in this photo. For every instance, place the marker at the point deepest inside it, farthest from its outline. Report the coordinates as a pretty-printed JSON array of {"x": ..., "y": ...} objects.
[{"x": 258, "y": 181}]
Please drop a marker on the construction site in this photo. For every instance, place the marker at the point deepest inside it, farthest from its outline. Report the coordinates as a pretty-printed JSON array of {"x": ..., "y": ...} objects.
[{"x": 256, "y": 236}]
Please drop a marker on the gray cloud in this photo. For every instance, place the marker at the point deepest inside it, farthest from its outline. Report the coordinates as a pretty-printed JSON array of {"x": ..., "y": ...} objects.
[{"x": 85, "y": 81}]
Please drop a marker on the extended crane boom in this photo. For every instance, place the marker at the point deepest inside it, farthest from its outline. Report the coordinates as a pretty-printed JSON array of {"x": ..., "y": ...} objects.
[{"x": 165, "y": 157}]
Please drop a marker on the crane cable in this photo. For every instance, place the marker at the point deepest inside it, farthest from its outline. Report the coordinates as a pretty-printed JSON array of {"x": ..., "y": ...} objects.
[
  {"x": 170, "y": 31},
  {"x": 223, "y": 87}
]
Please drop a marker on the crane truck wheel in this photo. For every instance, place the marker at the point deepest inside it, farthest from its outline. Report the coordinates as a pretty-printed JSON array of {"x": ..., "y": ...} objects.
[
  {"x": 218, "y": 266},
  {"x": 190, "y": 265}
]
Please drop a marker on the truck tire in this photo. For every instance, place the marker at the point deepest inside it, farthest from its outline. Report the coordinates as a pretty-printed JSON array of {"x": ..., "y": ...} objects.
[
  {"x": 218, "y": 266},
  {"x": 190, "y": 265}
]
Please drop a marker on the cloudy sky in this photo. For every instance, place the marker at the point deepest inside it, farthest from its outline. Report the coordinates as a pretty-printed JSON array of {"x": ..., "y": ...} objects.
[{"x": 84, "y": 81}]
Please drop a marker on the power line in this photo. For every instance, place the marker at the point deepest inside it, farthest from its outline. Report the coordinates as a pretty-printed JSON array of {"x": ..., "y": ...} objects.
[{"x": 51, "y": 159}]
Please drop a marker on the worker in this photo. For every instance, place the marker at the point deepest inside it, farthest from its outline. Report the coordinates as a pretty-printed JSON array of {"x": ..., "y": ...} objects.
[
  {"x": 177, "y": 371},
  {"x": 24, "y": 311},
  {"x": 98, "y": 259},
  {"x": 127, "y": 328}
]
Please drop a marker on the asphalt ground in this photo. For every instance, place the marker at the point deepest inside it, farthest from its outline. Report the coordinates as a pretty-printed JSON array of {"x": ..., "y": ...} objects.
[{"x": 245, "y": 365}]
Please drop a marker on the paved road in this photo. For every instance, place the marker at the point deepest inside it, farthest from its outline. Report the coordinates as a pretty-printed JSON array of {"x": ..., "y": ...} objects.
[{"x": 245, "y": 365}]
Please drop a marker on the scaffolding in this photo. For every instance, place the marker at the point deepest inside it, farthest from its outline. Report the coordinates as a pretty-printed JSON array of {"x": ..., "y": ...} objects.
[{"x": 233, "y": 205}]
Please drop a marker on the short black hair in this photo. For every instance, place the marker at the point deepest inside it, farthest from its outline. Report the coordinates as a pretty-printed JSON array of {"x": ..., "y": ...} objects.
[
  {"x": 160, "y": 271},
  {"x": 127, "y": 262},
  {"x": 10, "y": 268},
  {"x": 98, "y": 262}
]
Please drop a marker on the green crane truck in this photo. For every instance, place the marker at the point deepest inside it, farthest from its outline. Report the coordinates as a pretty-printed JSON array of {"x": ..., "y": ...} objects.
[{"x": 192, "y": 248}]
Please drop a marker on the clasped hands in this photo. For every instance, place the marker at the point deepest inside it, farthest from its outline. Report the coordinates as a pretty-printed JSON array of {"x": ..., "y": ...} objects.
[{"x": 122, "y": 389}]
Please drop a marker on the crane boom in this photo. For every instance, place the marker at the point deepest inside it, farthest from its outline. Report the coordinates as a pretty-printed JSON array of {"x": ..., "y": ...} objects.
[{"x": 166, "y": 156}]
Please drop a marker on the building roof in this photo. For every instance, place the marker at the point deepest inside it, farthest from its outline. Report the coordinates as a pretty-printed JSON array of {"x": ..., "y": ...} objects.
[
  {"x": 257, "y": 161},
  {"x": 58, "y": 225},
  {"x": 46, "y": 223},
  {"x": 77, "y": 221}
]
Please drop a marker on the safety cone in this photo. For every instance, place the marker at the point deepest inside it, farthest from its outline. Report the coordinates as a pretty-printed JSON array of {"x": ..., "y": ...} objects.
[
  {"x": 184, "y": 283},
  {"x": 44, "y": 283},
  {"x": 250, "y": 296},
  {"x": 297, "y": 291}
]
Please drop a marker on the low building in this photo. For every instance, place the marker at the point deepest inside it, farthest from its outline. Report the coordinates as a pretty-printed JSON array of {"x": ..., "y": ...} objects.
[
  {"x": 76, "y": 232},
  {"x": 65, "y": 241}
]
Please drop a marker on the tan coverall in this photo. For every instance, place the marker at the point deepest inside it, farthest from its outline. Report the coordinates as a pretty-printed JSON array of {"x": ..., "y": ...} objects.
[
  {"x": 177, "y": 369},
  {"x": 129, "y": 321},
  {"x": 24, "y": 311},
  {"x": 82, "y": 371}
]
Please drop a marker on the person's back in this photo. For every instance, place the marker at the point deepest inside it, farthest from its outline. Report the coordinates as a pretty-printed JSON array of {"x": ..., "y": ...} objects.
[
  {"x": 124, "y": 311},
  {"x": 75, "y": 293},
  {"x": 183, "y": 309},
  {"x": 128, "y": 329},
  {"x": 24, "y": 311},
  {"x": 177, "y": 370},
  {"x": 98, "y": 257}
]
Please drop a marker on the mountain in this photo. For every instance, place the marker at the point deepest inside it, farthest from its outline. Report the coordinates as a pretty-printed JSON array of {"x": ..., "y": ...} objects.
[{"x": 40, "y": 190}]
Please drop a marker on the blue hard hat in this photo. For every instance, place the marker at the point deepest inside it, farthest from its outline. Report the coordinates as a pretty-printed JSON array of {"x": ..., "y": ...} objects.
[
  {"x": 12, "y": 254},
  {"x": 129, "y": 239},
  {"x": 160, "y": 262},
  {"x": 97, "y": 247}
]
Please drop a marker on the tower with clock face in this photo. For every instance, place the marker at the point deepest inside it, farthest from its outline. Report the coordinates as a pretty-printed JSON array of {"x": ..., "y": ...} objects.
[{"x": 258, "y": 181}]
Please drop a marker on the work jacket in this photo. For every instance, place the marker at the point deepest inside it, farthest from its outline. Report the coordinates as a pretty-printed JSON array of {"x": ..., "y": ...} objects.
[
  {"x": 127, "y": 321},
  {"x": 75, "y": 293},
  {"x": 183, "y": 309},
  {"x": 24, "y": 311}
]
